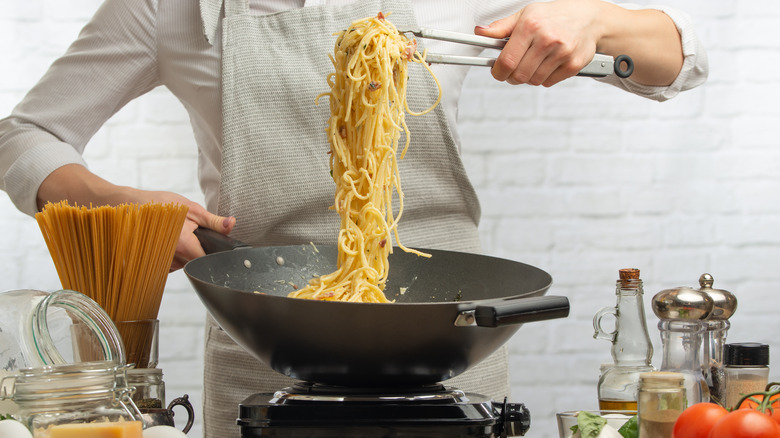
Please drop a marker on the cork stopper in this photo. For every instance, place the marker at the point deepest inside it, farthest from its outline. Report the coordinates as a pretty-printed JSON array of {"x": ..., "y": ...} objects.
[{"x": 628, "y": 276}]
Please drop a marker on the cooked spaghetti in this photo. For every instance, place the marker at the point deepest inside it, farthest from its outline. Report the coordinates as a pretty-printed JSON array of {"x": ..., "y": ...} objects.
[
  {"x": 118, "y": 256},
  {"x": 368, "y": 104}
]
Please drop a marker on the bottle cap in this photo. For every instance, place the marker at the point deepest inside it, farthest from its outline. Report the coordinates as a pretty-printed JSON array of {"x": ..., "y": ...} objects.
[
  {"x": 747, "y": 353},
  {"x": 628, "y": 276}
]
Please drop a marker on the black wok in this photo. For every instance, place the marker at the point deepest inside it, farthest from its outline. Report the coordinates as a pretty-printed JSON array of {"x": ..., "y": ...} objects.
[{"x": 451, "y": 311}]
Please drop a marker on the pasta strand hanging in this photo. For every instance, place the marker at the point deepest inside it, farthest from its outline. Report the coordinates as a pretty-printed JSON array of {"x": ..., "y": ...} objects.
[{"x": 368, "y": 105}]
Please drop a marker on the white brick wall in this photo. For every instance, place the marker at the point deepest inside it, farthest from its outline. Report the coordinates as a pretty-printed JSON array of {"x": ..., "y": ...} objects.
[{"x": 580, "y": 180}]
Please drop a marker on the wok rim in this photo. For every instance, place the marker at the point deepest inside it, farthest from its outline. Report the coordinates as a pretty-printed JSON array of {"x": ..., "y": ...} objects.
[{"x": 193, "y": 265}]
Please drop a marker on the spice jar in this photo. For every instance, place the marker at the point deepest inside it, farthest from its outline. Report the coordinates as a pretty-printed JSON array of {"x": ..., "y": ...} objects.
[
  {"x": 94, "y": 394},
  {"x": 149, "y": 396},
  {"x": 746, "y": 370},
  {"x": 149, "y": 387},
  {"x": 661, "y": 399}
]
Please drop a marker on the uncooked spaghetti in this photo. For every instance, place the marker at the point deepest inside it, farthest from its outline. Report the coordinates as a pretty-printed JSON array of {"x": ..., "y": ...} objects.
[
  {"x": 118, "y": 256},
  {"x": 368, "y": 105}
]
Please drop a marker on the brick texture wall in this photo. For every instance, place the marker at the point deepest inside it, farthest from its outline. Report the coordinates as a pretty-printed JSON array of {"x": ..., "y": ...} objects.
[{"x": 580, "y": 179}]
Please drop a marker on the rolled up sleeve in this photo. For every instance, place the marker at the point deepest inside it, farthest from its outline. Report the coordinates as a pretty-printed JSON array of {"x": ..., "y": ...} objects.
[
  {"x": 695, "y": 68},
  {"x": 112, "y": 62}
]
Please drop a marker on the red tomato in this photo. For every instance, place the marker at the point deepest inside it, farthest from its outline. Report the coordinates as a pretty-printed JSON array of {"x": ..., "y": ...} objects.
[
  {"x": 745, "y": 423},
  {"x": 774, "y": 412},
  {"x": 697, "y": 420}
]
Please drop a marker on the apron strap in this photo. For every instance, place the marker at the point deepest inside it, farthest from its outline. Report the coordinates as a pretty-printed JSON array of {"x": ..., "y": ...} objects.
[
  {"x": 236, "y": 7},
  {"x": 211, "y": 11}
]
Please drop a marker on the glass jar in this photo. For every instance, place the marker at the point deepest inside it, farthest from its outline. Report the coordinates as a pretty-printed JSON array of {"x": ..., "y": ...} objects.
[
  {"x": 149, "y": 396},
  {"x": 746, "y": 370},
  {"x": 90, "y": 394},
  {"x": 39, "y": 329},
  {"x": 149, "y": 387},
  {"x": 141, "y": 341},
  {"x": 661, "y": 400}
]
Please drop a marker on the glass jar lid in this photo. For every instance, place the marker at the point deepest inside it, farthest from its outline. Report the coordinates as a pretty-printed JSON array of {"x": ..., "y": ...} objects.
[
  {"x": 39, "y": 329},
  {"x": 746, "y": 354}
]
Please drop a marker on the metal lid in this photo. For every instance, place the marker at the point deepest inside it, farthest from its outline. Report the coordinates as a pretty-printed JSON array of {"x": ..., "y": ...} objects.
[
  {"x": 747, "y": 353},
  {"x": 682, "y": 303},
  {"x": 724, "y": 302}
]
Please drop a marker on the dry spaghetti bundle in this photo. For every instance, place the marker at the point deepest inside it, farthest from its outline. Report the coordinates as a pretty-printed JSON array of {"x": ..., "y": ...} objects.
[
  {"x": 118, "y": 256},
  {"x": 368, "y": 105}
]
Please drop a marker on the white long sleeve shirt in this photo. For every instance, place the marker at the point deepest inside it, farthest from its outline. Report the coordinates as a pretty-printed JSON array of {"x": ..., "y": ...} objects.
[{"x": 133, "y": 46}]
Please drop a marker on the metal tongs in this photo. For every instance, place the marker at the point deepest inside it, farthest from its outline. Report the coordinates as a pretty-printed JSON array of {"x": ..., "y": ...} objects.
[{"x": 602, "y": 65}]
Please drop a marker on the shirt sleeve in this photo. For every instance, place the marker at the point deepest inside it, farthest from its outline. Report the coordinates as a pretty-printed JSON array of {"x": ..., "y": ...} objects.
[
  {"x": 112, "y": 62},
  {"x": 695, "y": 67}
]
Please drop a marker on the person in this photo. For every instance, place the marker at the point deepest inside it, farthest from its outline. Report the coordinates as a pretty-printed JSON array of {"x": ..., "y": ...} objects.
[{"x": 248, "y": 72}]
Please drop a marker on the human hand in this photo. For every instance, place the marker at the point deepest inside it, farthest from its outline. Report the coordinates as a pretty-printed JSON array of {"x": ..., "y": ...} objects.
[
  {"x": 548, "y": 41},
  {"x": 75, "y": 183}
]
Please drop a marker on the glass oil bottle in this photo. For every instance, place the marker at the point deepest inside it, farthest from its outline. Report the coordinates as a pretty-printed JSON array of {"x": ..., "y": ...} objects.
[{"x": 631, "y": 350}]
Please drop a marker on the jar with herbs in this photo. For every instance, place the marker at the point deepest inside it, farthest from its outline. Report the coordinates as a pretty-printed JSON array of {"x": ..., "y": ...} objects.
[{"x": 661, "y": 399}]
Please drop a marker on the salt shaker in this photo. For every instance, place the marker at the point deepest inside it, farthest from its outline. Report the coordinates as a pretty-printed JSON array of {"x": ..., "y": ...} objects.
[
  {"x": 661, "y": 400},
  {"x": 746, "y": 370}
]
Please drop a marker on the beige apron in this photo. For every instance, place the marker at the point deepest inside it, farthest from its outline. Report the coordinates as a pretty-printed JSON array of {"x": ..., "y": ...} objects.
[{"x": 275, "y": 174}]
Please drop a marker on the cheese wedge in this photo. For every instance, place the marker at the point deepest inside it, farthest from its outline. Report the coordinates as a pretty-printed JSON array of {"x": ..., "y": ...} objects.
[{"x": 124, "y": 429}]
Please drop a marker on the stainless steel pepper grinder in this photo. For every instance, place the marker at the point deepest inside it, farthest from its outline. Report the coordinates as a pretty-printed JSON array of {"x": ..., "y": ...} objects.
[
  {"x": 717, "y": 326},
  {"x": 682, "y": 312}
]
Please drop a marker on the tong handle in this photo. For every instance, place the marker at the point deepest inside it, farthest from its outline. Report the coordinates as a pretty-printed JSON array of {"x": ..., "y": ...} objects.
[
  {"x": 601, "y": 65},
  {"x": 463, "y": 38}
]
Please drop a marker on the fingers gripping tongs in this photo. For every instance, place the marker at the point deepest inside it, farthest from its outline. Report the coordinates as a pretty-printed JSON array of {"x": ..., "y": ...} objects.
[{"x": 601, "y": 65}]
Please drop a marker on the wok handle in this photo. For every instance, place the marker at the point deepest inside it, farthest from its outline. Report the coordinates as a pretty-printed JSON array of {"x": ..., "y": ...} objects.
[
  {"x": 212, "y": 241},
  {"x": 521, "y": 310}
]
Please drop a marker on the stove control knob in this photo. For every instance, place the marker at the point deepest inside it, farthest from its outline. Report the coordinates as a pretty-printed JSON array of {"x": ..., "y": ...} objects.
[{"x": 516, "y": 419}]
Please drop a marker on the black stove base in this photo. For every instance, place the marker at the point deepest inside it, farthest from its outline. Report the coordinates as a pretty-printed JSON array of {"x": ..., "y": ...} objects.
[
  {"x": 326, "y": 412},
  {"x": 367, "y": 432}
]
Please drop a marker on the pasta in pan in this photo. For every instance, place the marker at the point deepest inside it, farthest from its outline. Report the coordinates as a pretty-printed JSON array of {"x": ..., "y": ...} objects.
[{"x": 368, "y": 105}]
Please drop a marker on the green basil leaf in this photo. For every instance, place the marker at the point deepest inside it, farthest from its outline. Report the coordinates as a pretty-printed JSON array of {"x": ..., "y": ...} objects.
[
  {"x": 630, "y": 429},
  {"x": 590, "y": 424}
]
